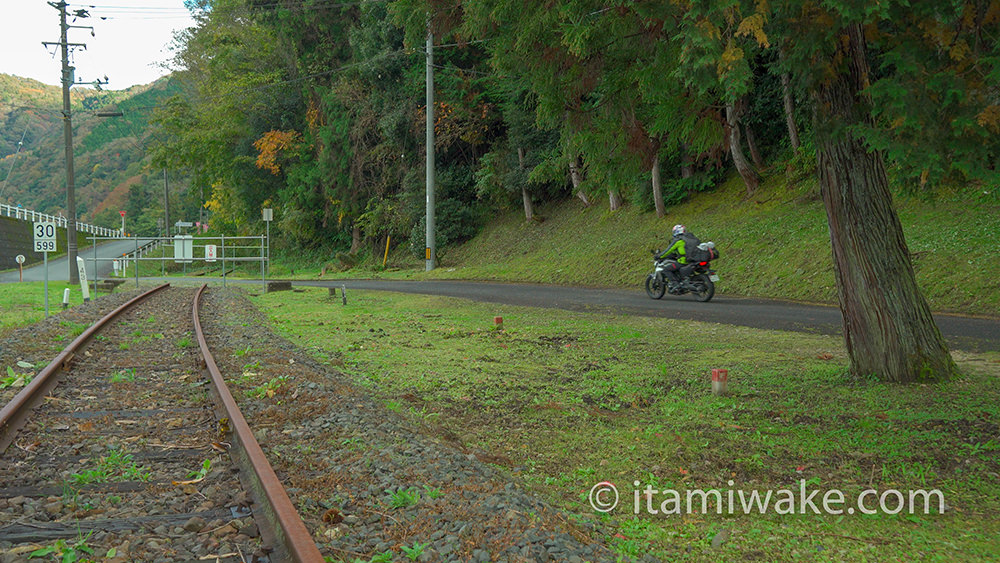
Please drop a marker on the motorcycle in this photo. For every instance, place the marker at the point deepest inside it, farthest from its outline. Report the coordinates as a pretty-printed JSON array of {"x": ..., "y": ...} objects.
[{"x": 700, "y": 282}]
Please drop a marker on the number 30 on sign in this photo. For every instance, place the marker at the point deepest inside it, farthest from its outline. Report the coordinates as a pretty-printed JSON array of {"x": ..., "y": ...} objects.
[{"x": 45, "y": 237}]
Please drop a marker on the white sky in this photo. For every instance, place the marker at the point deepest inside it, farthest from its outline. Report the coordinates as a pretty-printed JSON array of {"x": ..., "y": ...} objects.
[{"x": 127, "y": 46}]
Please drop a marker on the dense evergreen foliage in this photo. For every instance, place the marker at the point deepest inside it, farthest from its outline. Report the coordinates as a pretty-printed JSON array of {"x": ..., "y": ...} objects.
[{"x": 316, "y": 107}]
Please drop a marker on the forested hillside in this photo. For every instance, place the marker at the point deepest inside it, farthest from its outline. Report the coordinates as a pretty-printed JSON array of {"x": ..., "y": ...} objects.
[
  {"x": 316, "y": 109},
  {"x": 111, "y": 155}
]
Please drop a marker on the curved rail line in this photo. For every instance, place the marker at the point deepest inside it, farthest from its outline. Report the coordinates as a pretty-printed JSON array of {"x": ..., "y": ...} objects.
[
  {"x": 13, "y": 415},
  {"x": 279, "y": 524},
  {"x": 278, "y": 520}
]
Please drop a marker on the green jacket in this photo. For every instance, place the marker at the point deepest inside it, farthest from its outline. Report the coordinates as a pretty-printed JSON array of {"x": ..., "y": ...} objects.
[{"x": 679, "y": 248}]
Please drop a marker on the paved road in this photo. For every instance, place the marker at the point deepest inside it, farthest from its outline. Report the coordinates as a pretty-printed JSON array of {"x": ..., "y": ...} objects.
[
  {"x": 963, "y": 333},
  {"x": 59, "y": 271}
]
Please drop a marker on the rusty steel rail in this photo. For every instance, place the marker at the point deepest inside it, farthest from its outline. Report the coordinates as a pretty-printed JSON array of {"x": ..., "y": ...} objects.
[
  {"x": 15, "y": 413},
  {"x": 278, "y": 521}
]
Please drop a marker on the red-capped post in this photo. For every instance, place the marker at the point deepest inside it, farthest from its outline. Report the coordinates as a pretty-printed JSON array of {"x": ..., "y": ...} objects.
[{"x": 720, "y": 381}]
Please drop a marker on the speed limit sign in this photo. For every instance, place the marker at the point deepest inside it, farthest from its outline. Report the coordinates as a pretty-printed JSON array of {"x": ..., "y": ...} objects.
[{"x": 45, "y": 237}]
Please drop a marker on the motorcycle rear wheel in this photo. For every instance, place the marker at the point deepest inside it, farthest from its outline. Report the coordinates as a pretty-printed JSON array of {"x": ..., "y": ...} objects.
[
  {"x": 655, "y": 287},
  {"x": 705, "y": 288}
]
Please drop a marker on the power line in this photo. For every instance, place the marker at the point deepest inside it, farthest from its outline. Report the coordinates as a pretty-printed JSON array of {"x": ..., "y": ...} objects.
[
  {"x": 154, "y": 10},
  {"x": 14, "y": 160}
]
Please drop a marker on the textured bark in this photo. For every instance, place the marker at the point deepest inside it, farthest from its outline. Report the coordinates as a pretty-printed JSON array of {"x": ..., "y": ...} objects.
[
  {"x": 529, "y": 212},
  {"x": 789, "y": 102},
  {"x": 752, "y": 145},
  {"x": 742, "y": 166},
  {"x": 574, "y": 174},
  {"x": 661, "y": 209},
  {"x": 888, "y": 327},
  {"x": 355, "y": 239},
  {"x": 614, "y": 200}
]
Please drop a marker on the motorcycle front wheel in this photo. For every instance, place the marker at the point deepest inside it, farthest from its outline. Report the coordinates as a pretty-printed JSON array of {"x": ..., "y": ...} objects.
[
  {"x": 655, "y": 287},
  {"x": 705, "y": 288}
]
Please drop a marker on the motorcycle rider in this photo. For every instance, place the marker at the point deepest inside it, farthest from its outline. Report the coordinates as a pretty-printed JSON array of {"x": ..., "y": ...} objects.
[{"x": 681, "y": 246}]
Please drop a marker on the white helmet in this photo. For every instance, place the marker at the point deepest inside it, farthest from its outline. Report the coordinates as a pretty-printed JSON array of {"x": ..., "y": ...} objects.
[{"x": 679, "y": 230}]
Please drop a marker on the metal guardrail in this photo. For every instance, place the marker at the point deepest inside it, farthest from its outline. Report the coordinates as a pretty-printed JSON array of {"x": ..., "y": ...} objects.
[{"x": 33, "y": 216}]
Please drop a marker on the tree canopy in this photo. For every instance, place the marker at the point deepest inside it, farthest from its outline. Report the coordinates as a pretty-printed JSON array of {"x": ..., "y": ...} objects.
[{"x": 317, "y": 108}]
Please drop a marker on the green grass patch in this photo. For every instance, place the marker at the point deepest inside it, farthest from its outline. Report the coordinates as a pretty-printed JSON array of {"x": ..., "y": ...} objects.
[
  {"x": 565, "y": 400},
  {"x": 22, "y": 304},
  {"x": 115, "y": 466}
]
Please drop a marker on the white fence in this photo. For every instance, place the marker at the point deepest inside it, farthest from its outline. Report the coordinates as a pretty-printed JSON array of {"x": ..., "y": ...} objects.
[{"x": 34, "y": 216}]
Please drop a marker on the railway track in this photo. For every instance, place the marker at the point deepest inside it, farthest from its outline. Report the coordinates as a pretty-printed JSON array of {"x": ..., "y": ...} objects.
[{"x": 129, "y": 447}]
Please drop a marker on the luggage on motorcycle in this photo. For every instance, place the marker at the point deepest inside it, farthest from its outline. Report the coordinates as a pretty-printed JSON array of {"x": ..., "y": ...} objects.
[
  {"x": 705, "y": 252},
  {"x": 691, "y": 243}
]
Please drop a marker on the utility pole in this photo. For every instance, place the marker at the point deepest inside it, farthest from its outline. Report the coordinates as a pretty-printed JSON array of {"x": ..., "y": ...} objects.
[
  {"x": 430, "y": 251},
  {"x": 68, "y": 79},
  {"x": 166, "y": 203}
]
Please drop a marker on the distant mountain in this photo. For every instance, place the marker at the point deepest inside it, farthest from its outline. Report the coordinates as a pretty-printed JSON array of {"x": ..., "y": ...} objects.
[{"x": 110, "y": 154}]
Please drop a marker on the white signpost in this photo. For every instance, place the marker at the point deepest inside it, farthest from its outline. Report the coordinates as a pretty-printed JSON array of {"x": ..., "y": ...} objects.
[
  {"x": 81, "y": 268},
  {"x": 20, "y": 271},
  {"x": 45, "y": 242},
  {"x": 210, "y": 253}
]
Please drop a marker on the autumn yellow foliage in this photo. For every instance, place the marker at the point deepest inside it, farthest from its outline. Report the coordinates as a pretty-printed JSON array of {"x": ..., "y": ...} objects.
[{"x": 270, "y": 145}]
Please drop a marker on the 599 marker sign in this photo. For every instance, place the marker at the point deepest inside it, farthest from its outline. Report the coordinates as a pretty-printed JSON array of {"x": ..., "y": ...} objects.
[{"x": 45, "y": 237}]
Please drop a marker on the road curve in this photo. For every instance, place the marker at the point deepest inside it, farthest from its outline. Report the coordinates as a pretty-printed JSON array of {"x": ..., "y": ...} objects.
[
  {"x": 963, "y": 333},
  {"x": 59, "y": 271}
]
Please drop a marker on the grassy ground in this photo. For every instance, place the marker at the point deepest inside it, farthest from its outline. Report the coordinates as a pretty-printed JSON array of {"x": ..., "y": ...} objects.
[
  {"x": 775, "y": 244},
  {"x": 24, "y": 303},
  {"x": 564, "y": 400}
]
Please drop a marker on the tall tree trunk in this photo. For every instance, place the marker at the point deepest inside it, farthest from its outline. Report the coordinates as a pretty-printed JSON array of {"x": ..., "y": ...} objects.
[
  {"x": 786, "y": 88},
  {"x": 574, "y": 174},
  {"x": 742, "y": 166},
  {"x": 355, "y": 239},
  {"x": 658, "y": 189},
  {"x": 888, "y": 327},
  {"x": 752, "y": 145},
  {"x": 614, "y": 200},
  {"x": 529, "y": 212}
]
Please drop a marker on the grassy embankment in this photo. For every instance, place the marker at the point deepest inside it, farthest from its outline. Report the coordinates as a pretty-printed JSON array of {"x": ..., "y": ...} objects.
[
  {"x": 774, "y": 244},
  {"x": 564, "y": 400}
]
